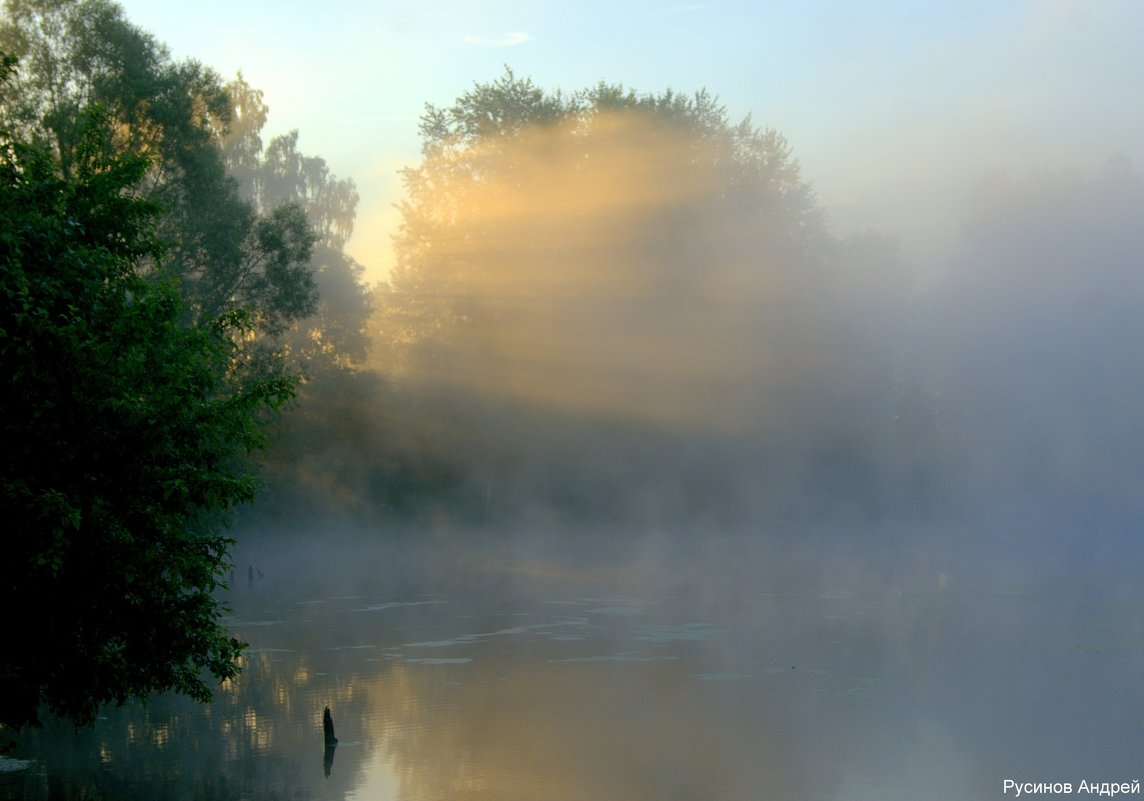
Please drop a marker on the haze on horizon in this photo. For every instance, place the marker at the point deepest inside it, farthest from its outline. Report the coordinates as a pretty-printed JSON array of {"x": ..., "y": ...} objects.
[
  {"x": 615, "y": 297},
  {"x": 894, "y": 109},
  {"x": 803, "y": 344}
]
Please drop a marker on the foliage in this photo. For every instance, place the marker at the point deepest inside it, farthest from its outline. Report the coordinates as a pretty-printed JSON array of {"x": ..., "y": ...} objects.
[
  {"x": 628, "y": 305},
  {"x": 126, "y": 433},
  {"x": 79, "y": 53},
  {"x": 642, "y": 235},
  {"x": 277, "y": 175},
  {"x": 133, "y": 408}
]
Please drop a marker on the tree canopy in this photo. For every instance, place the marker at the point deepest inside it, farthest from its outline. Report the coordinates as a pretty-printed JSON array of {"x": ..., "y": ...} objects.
[
  {"x": 649, "y": 283},
  {"x": 127, "y": 432},
  {"x": 636, "y": 252},
  {"x": 235, "y": 241},
  {"x": 279, "y": 175},
  {"x": 161, "y": 277}
]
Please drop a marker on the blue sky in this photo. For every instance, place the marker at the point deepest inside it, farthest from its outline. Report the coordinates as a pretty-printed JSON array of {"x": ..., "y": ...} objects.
[{"x": 894, "y": 107}]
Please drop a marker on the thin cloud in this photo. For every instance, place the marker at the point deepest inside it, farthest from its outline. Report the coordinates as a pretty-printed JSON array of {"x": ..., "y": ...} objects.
[{"x": 510, "y": 39}]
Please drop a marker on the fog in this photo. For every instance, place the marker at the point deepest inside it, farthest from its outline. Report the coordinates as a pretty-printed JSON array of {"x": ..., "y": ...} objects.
[
  {"x": 674, "y": 455},
  {"x": 614, "y": 277},
  {"x": 639, "y": 424},
  {"x": 628, "y": 325},
  {"x": 830, "y": 669},
  {"x": 1034, "y": 345}
]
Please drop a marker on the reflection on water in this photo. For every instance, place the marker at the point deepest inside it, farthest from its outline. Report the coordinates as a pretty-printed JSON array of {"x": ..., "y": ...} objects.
[{"x": 508, "y": 682}]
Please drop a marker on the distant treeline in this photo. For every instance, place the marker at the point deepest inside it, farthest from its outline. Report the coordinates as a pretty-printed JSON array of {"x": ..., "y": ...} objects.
[{"x": 613, "y": 309}]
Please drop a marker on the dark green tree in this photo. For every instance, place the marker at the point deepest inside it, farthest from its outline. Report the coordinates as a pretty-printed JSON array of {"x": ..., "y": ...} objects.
[
  {"x": 226, "y": 255},
  {"x": 126, "y": 435}
]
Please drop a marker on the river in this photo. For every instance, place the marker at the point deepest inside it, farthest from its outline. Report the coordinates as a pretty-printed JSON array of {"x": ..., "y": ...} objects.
[{"x": 504, "y": 672}]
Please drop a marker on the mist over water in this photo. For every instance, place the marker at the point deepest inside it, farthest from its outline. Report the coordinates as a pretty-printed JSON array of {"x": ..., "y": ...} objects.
[
  {"x": 503, "y": 670},
  {"x": 623, "y": 324},
  {"x": 703, "y": 500},
  {"x": 890, "y": 528},
  {"x": 657, "y": 487}
]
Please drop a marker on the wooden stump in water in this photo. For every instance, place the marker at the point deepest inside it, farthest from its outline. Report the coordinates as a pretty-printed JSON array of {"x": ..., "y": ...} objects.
[{"x": 328, "y": 728}]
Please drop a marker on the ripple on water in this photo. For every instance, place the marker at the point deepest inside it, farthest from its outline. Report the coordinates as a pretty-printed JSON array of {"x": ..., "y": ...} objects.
[
  {"x": 692, "y": 632},
  {"x": 395, "y": 605},
  {"x": 627, "y": 656},
  {"x": 720, "y": 676}
]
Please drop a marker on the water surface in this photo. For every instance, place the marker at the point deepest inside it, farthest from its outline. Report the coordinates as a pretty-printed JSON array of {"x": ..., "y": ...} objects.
[{"x": 510, "y": 675}]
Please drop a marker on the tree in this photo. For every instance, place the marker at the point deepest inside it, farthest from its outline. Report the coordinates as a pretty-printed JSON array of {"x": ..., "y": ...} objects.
[
  {"x": 127, "y": 432},
  {"x": 610, "y": 244},
  {"x": 280, "y": 175},
  {"x": 79, "y": 53},
  {"x": 653, "y": 285}
]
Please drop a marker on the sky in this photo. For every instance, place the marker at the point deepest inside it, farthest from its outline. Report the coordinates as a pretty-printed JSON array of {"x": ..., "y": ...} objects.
[{"x": 894, "y": 108}]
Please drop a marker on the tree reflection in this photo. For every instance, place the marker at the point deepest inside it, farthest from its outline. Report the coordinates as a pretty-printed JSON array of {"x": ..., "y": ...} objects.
[
  {"x": 772, "y": 683},
  {"x": 249, "y": 743}
]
